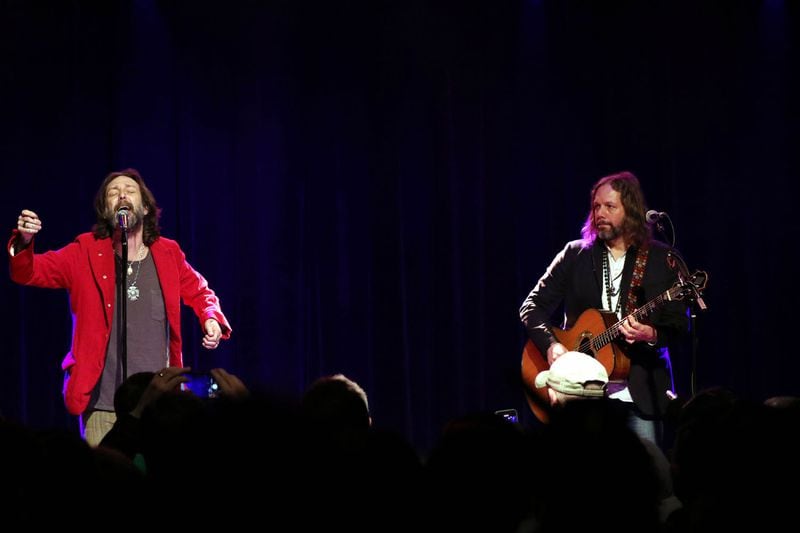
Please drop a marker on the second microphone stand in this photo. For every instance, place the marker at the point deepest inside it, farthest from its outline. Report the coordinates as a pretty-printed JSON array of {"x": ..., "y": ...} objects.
[{"x": 678, "y": 265}]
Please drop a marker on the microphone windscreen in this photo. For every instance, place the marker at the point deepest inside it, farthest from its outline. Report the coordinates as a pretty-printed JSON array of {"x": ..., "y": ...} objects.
[
  {"x": 652, "y": 216},
  {"x": 122, "y": 217}
]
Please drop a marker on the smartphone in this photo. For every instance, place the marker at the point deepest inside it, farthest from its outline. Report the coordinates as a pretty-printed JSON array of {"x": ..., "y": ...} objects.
[
  {"x": 201, "y": 384},
  {"x": 509, "y": 415}
]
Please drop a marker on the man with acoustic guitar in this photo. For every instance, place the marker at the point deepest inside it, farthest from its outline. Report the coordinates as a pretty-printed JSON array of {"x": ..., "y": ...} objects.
[{"x": 621, "y": 304}]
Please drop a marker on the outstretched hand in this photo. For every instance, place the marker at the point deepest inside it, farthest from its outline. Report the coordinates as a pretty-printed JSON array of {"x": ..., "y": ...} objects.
[{"x": 28, "y": 224}]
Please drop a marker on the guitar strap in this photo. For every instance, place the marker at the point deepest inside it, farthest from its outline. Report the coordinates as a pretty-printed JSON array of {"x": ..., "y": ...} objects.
[{"x": 638, "y": 275}]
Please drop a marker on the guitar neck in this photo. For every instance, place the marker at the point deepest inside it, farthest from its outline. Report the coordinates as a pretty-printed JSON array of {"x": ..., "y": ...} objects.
[{"x": 612, "y": 332}]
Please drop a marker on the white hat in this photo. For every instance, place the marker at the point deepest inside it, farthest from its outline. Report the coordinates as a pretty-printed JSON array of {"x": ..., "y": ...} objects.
[{"x": 571, "y": 371}]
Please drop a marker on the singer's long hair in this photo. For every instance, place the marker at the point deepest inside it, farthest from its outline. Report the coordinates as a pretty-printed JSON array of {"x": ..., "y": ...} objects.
[
  {"x": 103, "y": 228},
  {"x": 634, "y": 227}
]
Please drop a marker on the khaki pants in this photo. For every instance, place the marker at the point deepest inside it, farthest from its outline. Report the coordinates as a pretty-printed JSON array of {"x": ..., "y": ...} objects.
[{"x": 95, "y": 425}]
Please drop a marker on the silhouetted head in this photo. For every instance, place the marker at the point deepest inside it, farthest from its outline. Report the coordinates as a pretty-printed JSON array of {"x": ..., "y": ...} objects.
[{"x": 336, "y": 401}]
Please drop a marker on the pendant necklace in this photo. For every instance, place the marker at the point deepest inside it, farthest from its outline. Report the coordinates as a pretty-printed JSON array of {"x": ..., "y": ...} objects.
[
  {"x": 133, "y": 290},
  {"x": 610, "y": 291}
]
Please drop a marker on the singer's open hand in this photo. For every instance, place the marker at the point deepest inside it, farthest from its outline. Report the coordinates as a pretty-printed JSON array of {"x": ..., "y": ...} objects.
[
  {"x": 28, "y": 224},
  {"x": 213, "y": 334}
]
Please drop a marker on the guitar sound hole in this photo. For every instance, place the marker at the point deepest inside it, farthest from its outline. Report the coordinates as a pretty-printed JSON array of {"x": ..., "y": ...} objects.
[{"x": 585, "y": 347}]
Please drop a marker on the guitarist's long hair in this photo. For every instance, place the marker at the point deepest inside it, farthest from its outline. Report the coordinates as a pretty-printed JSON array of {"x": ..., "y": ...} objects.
[{"x": 634, "y": 227}]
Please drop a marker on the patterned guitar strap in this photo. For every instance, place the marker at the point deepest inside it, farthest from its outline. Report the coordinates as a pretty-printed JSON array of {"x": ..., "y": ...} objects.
[{"x": 636, "y": 281}]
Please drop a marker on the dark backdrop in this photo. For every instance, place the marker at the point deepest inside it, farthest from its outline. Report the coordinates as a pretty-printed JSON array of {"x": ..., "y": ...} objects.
[{"x": 372, "y": 187}]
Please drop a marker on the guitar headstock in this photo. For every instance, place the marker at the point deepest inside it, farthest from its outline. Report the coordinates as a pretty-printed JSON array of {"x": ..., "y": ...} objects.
[
  {"x": 693, "y": 286},
  {"x": 699, "y": 280}
]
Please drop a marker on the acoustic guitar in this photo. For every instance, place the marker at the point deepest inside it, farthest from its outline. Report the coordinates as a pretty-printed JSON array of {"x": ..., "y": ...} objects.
[{"x": 593, "y": 334}]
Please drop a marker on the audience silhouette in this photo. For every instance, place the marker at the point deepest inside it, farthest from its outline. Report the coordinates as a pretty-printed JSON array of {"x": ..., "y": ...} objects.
[{"x": 321, "y": 461}]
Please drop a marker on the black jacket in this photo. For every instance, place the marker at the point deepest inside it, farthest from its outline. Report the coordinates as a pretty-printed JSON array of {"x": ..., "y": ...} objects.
[{"x": 574, "y": 283}]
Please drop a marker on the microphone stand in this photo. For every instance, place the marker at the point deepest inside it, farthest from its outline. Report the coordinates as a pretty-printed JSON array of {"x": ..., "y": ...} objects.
[
  {"x": 122, "y": 305},
  {"x": 677, "y": 264},
  {"x": 698, "y": 299}
]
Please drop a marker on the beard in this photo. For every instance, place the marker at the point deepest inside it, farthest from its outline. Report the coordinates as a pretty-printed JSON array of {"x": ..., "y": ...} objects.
[
  {"x": 135, "y": 216},
  {"x": 608, "y": 234}
]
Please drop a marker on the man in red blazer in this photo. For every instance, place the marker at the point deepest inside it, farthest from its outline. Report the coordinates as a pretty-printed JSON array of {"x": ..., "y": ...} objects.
[{"x": 157, "y": 277}]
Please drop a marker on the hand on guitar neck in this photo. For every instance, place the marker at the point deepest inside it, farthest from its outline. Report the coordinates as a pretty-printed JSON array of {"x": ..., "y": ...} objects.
[{"x": 632, "y": 331}]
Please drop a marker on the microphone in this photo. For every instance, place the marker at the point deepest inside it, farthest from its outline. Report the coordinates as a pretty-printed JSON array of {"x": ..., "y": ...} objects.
[
  {"x": 654, "y": 216},
  {"x": 122, "y": 218}
]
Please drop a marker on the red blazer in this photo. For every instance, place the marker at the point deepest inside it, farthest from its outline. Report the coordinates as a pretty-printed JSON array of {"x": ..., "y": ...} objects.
[{"x": 86, "y": 269}]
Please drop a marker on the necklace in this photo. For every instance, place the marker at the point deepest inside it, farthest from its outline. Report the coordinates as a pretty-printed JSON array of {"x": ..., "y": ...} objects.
[
  {"x": 610, "y": 290},
  {"x": 133, "y": 290},
  {"x": 139, "y": 255}
]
